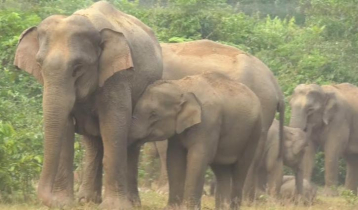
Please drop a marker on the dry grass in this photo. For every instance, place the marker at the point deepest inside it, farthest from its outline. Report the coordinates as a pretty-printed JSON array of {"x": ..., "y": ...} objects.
[{"x": 154, "y": 201}]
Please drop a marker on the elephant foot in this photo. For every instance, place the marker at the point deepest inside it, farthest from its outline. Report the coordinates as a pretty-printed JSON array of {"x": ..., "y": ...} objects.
[
  {"x": 135, "y": 200},
  {"x": 63, "y": 202},
  {"x": 176, "y": 207},
  {"x": 86, "y": 196},
  {"x": 298, "y": 199},
  {"x": 115, "y": 203},
  {"x": 330, "y": 192},
  {"x": 58, "y": 200}
]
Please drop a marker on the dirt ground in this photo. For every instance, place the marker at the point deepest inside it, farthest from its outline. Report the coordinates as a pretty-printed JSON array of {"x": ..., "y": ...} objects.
[{"x": 154, "y": 201}]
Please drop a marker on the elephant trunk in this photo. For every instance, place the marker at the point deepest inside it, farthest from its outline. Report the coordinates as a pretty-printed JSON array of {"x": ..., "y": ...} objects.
[
  {"x": 138, "y": 129},
  {"x": 58, "y": 102},
  {"x": 298, "y": 119}
]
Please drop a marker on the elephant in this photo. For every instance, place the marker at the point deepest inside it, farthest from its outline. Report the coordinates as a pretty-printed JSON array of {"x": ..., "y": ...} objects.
[
  {"x": 195, "y": 57},
  {"x": 329, "y": 115},
  {"x": 288, "y": 190},
  {"x": 271, "y": 170},
  {"x": 94, "y": 65},
  {"x": 208, "y": 119}
]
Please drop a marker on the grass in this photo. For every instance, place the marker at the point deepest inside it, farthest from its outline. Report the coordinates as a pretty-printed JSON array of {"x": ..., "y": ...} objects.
[{"x": 154, "y": 201}]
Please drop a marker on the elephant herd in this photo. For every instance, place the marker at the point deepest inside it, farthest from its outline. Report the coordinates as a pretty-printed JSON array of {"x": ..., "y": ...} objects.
[{"x": 107, "y": 78}]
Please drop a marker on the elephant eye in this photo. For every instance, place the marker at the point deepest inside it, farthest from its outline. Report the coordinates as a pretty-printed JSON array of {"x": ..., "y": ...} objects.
[
  {"x": 153, "y": 115},
  {"x": 310, "y": 110},
  {"x": 76, "y": 69}
]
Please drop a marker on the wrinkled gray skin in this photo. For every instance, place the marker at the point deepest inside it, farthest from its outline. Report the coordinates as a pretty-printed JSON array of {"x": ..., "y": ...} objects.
[
  {"x": 288, "y": 190},
  {"x": 329, "y": 114},
  {"x": 192, "y": 58},
  {"x": 271, "y": 170},
  {"x": 209, "y": 120},
  {"x": 94, "y": 65},
  {"x": 196, "y": 57}
]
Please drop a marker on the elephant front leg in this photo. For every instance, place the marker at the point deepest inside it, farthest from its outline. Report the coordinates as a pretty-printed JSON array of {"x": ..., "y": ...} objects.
[
  {"x": 162, "y": 147},
  {"x": 308, "y": 160},
  {"x": 115, "y": 113},
  {"x": 332, "y": 151},
  {"x": 91, "y": 186},
  {"x": 176, "y": 164},
  {"x": 299, "y": 181},
  {"x": 352, "y": 173},
  {"x": 132, "y": 174},
  {"x": 275, "y": 178},
  {"x": 63, "y": 186},
  {"x": 197, "y": 163}
]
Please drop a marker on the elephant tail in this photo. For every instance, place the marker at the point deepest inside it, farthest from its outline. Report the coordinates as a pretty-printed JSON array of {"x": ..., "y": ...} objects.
[{"x": 281, "y": 110}]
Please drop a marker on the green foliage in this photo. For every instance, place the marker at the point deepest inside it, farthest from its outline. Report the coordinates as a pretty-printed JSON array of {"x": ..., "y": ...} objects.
[
  {"x": 302, "y": 41},
  {"x": 319, "y": 170},
  {"x": 20, "y": 134},
  {"x": 350, "y": 197}
]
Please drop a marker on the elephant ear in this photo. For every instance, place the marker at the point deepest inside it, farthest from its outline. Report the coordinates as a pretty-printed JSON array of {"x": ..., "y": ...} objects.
[
  {"x": 330, "y": 107},
  {"x": 116, "y": 54},
  {"x": 25, "y": 56},
  {"x": 189, "y": 114}
]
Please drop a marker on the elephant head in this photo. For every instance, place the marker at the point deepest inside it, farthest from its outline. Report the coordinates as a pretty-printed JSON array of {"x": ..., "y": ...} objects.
[
  {"x": 311, "y": 107},
  {"x": 163, "y": 111},
  {"x": 295, "y": 144},
  {"x": 72, "y": 59}
]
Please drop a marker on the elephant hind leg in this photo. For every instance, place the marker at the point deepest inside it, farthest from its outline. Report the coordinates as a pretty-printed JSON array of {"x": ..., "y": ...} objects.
[
  {"x": 223, "y": 185},
  {"x": 352, "y": 173},
  {"x": 244, "y": 164},
  {"x": 275, "y": 178}
]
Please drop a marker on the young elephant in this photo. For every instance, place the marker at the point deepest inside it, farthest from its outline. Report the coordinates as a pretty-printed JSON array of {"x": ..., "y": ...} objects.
[
  {"x": 288, "y": 189},
  {"x": 208, "y": 119},
  {"x": 295, "y": 142}
]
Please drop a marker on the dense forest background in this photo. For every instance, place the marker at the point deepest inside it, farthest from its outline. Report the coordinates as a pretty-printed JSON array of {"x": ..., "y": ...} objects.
[{"x": 302, "y": 41}]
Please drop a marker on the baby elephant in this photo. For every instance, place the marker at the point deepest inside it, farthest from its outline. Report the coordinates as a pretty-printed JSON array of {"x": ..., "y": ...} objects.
[
  {"x": 288, "y": 189},
  {"x": 295, "y": 142},
  {"x": 208, "y": 119}
]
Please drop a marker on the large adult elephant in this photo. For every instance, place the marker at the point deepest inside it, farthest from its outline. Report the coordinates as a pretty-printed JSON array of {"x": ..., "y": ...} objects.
[
  {"x": 329, "y": 114},
  {"x": 94, "y": 66},
  {"x": 196, "y": 57},
  {"x": 191, "y": 58}
]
